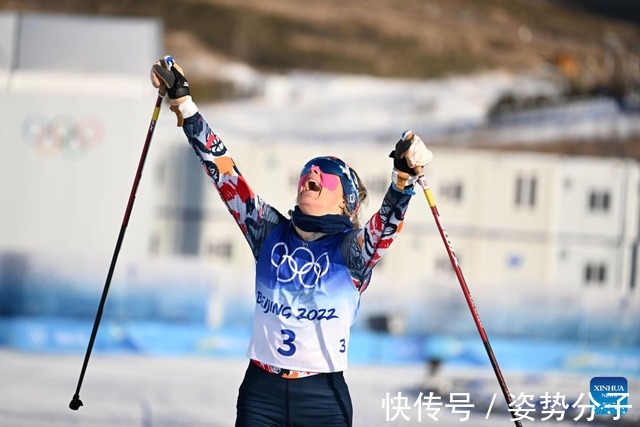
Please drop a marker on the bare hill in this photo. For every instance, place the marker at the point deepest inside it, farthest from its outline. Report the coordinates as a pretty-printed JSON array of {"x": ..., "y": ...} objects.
[
  {"x": 593, "y": 43},
  {"x": 411, "y": 38}
]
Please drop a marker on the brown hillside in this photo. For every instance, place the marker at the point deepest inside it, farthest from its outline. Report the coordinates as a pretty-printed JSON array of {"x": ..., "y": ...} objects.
[
  {"x": 594, "y": 43},
  {"x": 413, "y": 38}
]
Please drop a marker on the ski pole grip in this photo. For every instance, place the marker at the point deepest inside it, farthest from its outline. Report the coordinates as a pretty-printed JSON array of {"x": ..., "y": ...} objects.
[
  {"x": 407, "y": 136},
  {"x": 168, "y": 62}
]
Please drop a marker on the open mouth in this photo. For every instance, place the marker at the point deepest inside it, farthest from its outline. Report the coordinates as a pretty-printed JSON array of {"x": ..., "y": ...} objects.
[{"x": 312, "y": 185}]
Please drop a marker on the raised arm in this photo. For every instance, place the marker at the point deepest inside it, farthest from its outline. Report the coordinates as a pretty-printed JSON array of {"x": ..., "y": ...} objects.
[
  {"x": 363, "y": 248},
  {"x": 253, "y": 215}
]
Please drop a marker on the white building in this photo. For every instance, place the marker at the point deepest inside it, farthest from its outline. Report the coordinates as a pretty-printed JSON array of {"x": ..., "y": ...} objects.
[
  {"x": 540, "y": 237},
  {"x": 537, "y": 234},
  {"x": 76, "y": 107},
  {"x": 522, "y": 218}
]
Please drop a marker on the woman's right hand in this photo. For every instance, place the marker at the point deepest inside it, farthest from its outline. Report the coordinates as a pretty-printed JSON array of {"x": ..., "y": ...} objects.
[
  {"x": 172, "y": 79},
  {"x": 168, "y": 76}
]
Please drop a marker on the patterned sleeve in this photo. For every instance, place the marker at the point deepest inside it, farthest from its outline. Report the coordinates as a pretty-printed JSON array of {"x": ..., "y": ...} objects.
[
  {"x": 254, "y": 216},
  {"x": 364, "y": 248}
]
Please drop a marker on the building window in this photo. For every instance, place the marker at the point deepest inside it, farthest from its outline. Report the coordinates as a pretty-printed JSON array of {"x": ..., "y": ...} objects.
[
  {"x": 443, "y": 264},
  {"x": 599, "y": 200},
  {"x": 526, "y": 191},
  {"x": 154, "y": 244},
  {"x": 220, "y": 249},
  {"x": 452, "y": 191},
  {"x": 595, "y": 273},
  {"x": 378, "y": 184},
  {"x": 161, "y": 172}
]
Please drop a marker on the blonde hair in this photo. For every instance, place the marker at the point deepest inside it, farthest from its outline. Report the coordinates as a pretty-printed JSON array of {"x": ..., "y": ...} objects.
[{"x": 362, "y": 196}]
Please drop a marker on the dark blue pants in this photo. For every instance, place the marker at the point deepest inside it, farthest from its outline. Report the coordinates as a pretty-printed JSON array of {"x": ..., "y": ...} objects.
[{"x": 269, "y": 400}]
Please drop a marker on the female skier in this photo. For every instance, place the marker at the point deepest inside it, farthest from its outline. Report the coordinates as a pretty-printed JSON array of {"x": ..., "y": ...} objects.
[{"x": 311, "y": 269}]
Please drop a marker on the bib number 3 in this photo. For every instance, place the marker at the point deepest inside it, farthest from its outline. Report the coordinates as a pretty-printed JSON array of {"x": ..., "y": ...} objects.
[{"x": 288, "y": 348}]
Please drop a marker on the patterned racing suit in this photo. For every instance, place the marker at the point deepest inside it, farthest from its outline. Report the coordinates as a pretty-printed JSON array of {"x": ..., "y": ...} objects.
[{"x": 307, "y": 293}]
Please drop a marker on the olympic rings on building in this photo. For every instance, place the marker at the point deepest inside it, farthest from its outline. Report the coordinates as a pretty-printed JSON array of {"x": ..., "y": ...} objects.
[
  {"x": 288, "y": 267},
  {"x": 61, "y": 134}
]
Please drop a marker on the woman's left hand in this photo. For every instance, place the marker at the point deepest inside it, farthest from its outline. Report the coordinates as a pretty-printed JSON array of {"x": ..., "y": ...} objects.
[{"x": 410, "y": 153}]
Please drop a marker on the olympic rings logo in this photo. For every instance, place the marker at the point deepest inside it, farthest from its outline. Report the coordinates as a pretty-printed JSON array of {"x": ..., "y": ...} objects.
[
  {"x": 288, "y": 267},
  {"x": 61, "y": 134}
]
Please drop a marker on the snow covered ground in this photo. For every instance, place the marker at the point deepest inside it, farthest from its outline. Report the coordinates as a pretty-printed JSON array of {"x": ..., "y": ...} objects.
[
  {"x": 124, "y": 390},
  {"x": 321, "y": 107},
  {"x": 310, "y": 107},
  {"x": 136, "y": 390}
]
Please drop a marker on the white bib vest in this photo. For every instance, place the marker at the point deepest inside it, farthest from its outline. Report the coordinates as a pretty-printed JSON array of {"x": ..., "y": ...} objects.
[{"x": 306, "y": 303}]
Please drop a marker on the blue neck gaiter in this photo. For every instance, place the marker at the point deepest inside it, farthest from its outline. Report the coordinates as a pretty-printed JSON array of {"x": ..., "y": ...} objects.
[{"x": 328, "y": 224}]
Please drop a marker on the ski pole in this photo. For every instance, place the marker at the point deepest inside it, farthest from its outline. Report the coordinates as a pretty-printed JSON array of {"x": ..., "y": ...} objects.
[
  {"x": 463, "y": 283},
  {"x": 76, "y": 402}
]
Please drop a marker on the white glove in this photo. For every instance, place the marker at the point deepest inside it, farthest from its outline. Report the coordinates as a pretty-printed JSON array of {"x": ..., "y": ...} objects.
[
  {"x": 417, "y": 154},
  {"x": 410, "y": 152}
]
